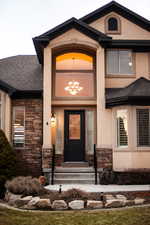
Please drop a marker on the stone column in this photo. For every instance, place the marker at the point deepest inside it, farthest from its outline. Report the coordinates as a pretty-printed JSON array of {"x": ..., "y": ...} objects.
[{"x": 47, "y": 98}]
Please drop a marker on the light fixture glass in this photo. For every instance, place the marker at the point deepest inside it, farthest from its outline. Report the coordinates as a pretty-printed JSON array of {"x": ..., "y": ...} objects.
[
  {"x": 73, "y": 87},
  {"x": 53, "y": 120}
]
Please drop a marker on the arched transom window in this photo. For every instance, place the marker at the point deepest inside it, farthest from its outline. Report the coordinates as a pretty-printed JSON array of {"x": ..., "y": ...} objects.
[{"x": 74, "y": 75}]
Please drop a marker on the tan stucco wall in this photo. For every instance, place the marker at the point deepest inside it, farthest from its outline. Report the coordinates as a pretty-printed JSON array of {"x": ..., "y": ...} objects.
[
  {"x": 73, "y": 37},
  {"x": 129, "y": 30},
  {"x": 125, "y": 160}
]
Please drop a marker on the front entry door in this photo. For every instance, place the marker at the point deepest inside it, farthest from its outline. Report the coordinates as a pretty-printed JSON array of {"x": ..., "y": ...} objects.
[{"x": 74, "y": 134}]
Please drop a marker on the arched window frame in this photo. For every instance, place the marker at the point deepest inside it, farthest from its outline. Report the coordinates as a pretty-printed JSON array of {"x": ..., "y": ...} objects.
[
  {"x": 118, "y": 31},
  {"x": 68, "y": 49}
]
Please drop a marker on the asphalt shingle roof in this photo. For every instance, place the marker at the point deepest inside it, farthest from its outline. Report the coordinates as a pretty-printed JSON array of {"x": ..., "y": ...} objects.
[{"x": 22, "y": 72}]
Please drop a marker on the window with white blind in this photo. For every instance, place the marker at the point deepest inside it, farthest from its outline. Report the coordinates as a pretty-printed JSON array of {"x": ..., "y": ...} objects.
[
  {"x": 122, "y": 128},
  {"x": 143, "y": 127},
  {"x": 119, "y": 62},
  {"x": 18, "y": 126}
]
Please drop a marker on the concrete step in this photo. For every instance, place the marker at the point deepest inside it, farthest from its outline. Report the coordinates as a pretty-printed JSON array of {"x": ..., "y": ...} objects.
[
  {"x": 74, "y": 181},
  {"x": 74, "y": 176},
  {"x": 74, "y": 169},
  {"x": 75, "y": 164}
]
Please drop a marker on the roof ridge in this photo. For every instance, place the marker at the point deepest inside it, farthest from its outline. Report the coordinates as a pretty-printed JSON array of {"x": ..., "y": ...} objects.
[{"x": 14, "y": 56}]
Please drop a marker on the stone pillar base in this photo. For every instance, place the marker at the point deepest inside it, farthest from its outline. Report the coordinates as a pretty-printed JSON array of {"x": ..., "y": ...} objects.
[
  {"x": 104, "y": 158},
  {"x": 46, "y": 158}
]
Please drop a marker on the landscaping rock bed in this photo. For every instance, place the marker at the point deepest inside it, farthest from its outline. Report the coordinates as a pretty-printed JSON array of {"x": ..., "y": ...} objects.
[{"x": 107, "y": 201}]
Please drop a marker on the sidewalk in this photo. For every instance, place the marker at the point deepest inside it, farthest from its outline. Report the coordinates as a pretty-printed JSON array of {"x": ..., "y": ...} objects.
[{"x": 100, "y": 188}]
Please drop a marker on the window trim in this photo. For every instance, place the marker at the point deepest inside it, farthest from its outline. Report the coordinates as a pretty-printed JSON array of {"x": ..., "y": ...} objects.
[
  {"x": 121, "y": 75},
  {"x": 13, "y": 117},
  {"x": 68, "y": 50},
  {"x": 107, "y": 31}
]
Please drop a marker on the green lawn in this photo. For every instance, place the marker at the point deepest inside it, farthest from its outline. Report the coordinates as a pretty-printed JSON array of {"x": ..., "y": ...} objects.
[{"x": 132, "y": 216}]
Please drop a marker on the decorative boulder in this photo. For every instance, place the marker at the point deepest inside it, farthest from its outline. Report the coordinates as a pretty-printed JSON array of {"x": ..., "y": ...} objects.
[
  {"x": 59, "y": 204},
  {"x": 27, "y": 198},
  {"x": 76, "y": 204},
  {"x": 43, "y": 204},
  {"x": 122, "y": 198},
  {"x": 114, "y": 203},
  {"x": 11, "y": 198},
  {"x": 91, "y": 204},
  {"x": 32, "y": 203},
  {"x": 109, "y": 197},
  {"x": 138, "y": 201}
]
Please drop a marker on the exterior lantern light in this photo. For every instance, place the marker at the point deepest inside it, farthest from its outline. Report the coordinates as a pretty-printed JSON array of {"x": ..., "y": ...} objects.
[{"x": 53, "y": 119}]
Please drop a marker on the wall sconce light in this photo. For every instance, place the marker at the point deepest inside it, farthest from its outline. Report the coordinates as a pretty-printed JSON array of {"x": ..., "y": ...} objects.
[{"x": 53, "y": 119}]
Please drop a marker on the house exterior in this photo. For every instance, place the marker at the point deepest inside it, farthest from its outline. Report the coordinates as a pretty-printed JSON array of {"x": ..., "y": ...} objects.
[{"x": 88, "y": 84}]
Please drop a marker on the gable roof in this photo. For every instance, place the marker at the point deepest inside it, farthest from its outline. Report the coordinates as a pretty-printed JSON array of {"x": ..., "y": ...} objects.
[
  {"x": 137, "y": 93},
  {"x": 121, "y": 10},
  {"x": 20, "y": 73},
  {"x": 42, "y": 41}
]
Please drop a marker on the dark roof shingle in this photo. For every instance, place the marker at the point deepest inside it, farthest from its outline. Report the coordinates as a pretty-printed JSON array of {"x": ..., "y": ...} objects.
[
  {"x": 22, "y": 72},
  {"x": 137, "y": 92}
]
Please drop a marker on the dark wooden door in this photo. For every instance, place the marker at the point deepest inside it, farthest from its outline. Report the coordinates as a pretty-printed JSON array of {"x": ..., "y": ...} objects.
[{"x": 74, "y": 134}]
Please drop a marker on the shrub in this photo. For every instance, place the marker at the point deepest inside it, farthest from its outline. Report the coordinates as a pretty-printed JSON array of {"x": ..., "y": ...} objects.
[
  {"x": 25, "y": 186},
  {"x": 74, "y": 194},
  {"x": 7, "y": 162}
]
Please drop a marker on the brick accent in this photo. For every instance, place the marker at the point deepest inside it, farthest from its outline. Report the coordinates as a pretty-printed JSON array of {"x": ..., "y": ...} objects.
[
  {"x": 104, "y": 158},
  {"x": 30, "y": 156}
]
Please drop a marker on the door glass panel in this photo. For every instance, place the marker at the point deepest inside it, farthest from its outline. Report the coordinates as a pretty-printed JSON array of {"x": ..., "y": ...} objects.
[{"x": 74, "y": 126}]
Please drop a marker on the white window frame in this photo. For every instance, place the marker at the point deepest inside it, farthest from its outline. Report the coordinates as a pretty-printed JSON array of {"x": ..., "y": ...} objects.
[
  {"x": 129, "y": 127},
  {"x": 118, "y": 73},
  {"x": 13, "y": 118}
]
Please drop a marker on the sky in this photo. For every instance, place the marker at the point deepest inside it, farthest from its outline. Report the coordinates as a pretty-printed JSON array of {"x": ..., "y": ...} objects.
[{"x": 21, "y": 20}]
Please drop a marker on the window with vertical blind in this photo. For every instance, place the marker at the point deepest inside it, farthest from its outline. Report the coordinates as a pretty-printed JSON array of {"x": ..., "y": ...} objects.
[
  {"x": 18, "y": 126},
  {"x": 119, "y": 62},
  {"x": 143, "y": 127},
  {"x": 122, "y": 128}
]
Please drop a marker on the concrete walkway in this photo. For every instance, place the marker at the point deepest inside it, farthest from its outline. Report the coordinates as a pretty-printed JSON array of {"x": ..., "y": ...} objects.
[{"x": 100, "y": 188}]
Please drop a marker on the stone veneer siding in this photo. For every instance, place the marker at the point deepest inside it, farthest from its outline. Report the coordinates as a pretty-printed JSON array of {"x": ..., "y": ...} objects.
[
  {"x": 104, "y": 158},
  {"x": 30, "y": 156}
]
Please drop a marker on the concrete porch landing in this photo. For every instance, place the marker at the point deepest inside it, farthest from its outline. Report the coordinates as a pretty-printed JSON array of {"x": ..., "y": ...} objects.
[{"x": 100, "y": 188}]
